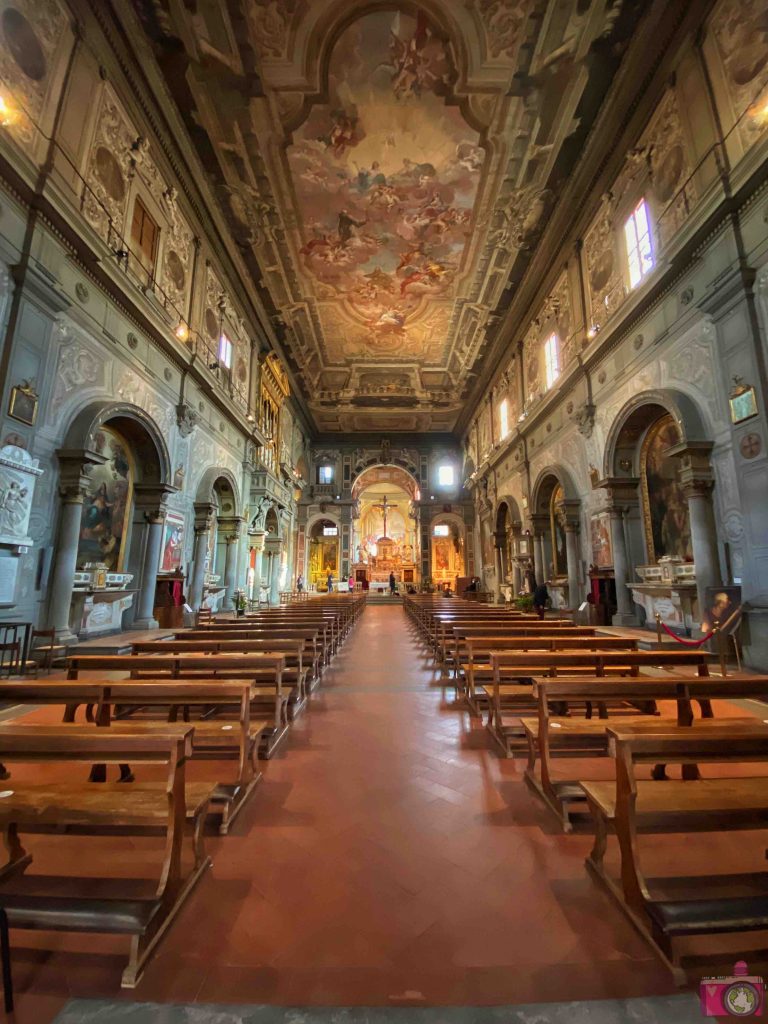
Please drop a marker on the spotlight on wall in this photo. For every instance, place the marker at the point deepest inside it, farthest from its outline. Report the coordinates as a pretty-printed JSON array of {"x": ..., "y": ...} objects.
[
  {"x": 182, "y": 331},
  {"x": 8, "y": 114},
  {"x": 593, "y": 331},
  {"x": 214, "y": 365}
]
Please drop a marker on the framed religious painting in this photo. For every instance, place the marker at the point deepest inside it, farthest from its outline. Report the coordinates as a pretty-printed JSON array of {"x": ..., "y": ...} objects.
[
  {"x": 106, "y": 517},
  {"x": 722, "y": 606},
  {"x": 23, "y": 404},
  {"x": 173, "y": 543},
  {"x": 743, "y": 403},
  {"x": 600, "y": 535}
]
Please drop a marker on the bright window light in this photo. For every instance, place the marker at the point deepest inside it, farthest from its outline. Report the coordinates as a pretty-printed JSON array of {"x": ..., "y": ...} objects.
[
  {"x": 441, "y": 530},
  {"x": 225, "y": 351},
  {"x": 552, "y": 359},
  {"x": 330, "y": 531},
  {"x": 637, "y": 234},
  {"x": 325, "y": 474},
  {"x": 504, "y": 418},
  {"x": 445, "y": 476}
]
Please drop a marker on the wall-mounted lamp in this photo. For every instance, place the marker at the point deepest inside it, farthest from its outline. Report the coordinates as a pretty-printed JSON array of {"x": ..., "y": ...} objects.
[
  {"x": 593, "y": 331},
  {"x": 182, "y": 331},
  {"x": 8, "y": 114},
  {"x": 214, "y": 365}
]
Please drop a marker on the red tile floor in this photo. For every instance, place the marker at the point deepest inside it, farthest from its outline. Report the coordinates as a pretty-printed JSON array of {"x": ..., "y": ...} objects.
[{"x": 388, "y": 857}]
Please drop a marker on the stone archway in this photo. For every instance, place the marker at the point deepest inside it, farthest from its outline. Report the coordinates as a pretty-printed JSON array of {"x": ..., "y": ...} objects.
[
  {"x": 385, "y": 536},
  {"x": 114, "y": 481},
  {"x": 556, "y": 519},
  {"x": 507, "y": 558},
  {"x": 217, "y": 570},
  {"x": 659, "y": 481}
]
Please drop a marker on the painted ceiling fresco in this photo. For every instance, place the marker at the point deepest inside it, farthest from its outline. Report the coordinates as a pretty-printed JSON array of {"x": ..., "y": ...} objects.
[
  {"x": 387, "y": 171},
  {"x": 385, "y": 176}
]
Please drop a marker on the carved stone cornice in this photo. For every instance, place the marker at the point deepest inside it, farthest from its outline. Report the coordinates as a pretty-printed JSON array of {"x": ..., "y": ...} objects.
[{"x": 75, "y": 465}]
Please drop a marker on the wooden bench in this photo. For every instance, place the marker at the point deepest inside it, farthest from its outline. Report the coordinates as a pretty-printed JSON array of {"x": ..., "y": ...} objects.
[
  {"x": 507, "y": 694},
  {"x": 92, "y": 809},
  {"x": 586, "y": 736},
  {"x": 294, "y": 674},
  {"x": 320, "y": 633},
  {"x": 667, "y": 909},
  {"x": 232, "y": 734},
  {"x": 455, "y": 648},
  {"x": 477, "y": 671},
  {"x": 269, "y": 699}
]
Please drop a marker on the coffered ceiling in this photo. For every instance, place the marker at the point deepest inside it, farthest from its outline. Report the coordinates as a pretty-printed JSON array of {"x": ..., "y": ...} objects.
[{"x": 387, "y": 169}]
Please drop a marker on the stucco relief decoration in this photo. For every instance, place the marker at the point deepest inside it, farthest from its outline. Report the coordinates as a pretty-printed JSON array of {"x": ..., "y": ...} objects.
[
  {"x": 670, "y": 167},
  {"x": 176, "y": 272},
  {"x": 386, "y": 175},
  {"x": 31, "y": 31},
  {"x": 78, "y": 369},
  {"x": 503, "y": 22},
  {"x": 603, "y": 274},
  {"x": 109, "y": 168},
  {"x": 271, "y": 22},
  {"x": 532, "y": 361},
  {"x": 18, "y": 476},
  {"x": 739, "y": 28}
]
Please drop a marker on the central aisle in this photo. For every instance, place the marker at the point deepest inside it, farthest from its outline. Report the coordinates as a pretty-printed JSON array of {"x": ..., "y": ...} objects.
[{"x": 390, "y": 857}]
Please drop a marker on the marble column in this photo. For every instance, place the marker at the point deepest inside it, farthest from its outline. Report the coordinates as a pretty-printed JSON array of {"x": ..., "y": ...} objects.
[
  {"x": 257, "y": 543},
  {"x": 575, "y": 596},
  {"x": 274, "y": 578},
  {"x": 498, "y": 570},
  {"x": 63, "y": 576},
  {"x": 153, "y": 543},
  {"x": 204, "y": 513},
  {"x": 197, "y": 583},
  {"x": 703, "y": 539},
  {"x": 539, "y": 566},
  {"x": 517, "y": 577},
  {"x": 625, "y": 615},
  {"x": 73, "y": 487},
  {"x": 230, "y": 568}
]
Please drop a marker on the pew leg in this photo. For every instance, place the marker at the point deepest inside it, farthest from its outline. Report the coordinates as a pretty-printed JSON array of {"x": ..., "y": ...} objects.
[
  {"x": 98, "y": 773},
  {"x": 126, "y": 775},
  {"x": 597, "y": 854},
  {"x": 18, "y": 858},
  {"x": 5, "y": 957},
  {"x": 659, "y": 772}
]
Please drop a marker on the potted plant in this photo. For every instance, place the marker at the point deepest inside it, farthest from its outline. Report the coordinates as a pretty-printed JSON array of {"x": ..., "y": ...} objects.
[
  {"x": 240, "y": 602},
  {"x": 524, "y": 603}
]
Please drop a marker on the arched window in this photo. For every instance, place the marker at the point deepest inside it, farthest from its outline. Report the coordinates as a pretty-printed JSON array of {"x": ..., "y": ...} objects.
[{"x": 552, "y": 359}]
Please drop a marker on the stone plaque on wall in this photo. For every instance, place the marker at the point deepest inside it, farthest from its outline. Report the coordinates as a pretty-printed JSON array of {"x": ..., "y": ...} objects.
[
  {"x": 18, "y": 476},
  {"x": 9, "y": 570}
]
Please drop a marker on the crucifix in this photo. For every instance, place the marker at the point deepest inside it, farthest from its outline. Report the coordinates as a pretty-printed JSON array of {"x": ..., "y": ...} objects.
[{"x": 385, "y": 506}]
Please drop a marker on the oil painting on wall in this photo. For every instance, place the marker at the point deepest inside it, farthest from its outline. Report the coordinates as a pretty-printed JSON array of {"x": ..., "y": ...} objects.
[
  {"x": 386, "y": 174},
  {"x": 559, "y": 551},
  {"x": 106, "y": 508},
  {"x": 602, "y": 552},
  {"x": 665, "y": 510},
  {"x": 173, "y": 543}
]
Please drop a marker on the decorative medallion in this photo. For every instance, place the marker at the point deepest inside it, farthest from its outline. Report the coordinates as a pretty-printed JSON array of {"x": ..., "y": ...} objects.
[
  {"x": 132, "y": 340},
  {"x": 750, "y": 446},
  {"x": 81, "y": 292}
]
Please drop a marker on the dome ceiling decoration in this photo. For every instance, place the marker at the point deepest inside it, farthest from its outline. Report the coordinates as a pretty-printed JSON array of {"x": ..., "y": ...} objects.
[{"x": 386, "y": 169}]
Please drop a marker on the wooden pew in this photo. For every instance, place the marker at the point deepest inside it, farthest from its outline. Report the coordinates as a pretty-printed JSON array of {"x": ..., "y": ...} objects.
[
  {"x": 294, "y": 674},
  {"x": 232, "y": 734},
  {"x": 312, "y": 657},
  {"x": 475, "y": 657},
  {"x": 667, "y": 909},
  {"x": 584, "y": 735},
  {"x": 92, "y": 809},
  {"x": 453, "y": 648},
  {"x": 320, "y": 629},
  {"x": 263, "y": 671},
  {"x": 510, "y": 667}
]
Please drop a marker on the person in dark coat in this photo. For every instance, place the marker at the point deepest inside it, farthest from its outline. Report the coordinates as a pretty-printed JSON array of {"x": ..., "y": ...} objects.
[
  {"x": 540, "y": 599},
  {"x": 392, "y": 584}
]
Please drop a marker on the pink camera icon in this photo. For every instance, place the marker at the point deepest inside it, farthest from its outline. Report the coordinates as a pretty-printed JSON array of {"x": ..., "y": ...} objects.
[{"x": 742, "y": 995}]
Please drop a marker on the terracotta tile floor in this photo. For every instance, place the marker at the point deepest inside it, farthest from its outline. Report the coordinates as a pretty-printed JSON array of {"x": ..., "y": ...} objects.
[{"x": 389, "y": 857}]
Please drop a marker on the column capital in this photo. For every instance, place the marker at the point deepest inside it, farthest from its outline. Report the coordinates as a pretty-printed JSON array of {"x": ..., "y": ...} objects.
[
  {"x": 500, "y": 539},
  {"x": 621, "y": 489},
  {"x": 155, "y": 516},
  {"x": 151, "y": 499},
  {"x": 75, "y": 465},
  {"x": 539, "y": 523},
  {"x": 695, "y": 467},
  {"x": 204, "y": 513}
]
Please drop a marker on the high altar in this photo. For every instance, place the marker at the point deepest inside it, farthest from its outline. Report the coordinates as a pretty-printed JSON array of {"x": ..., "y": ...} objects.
[{"x": 385, "y": 540}]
